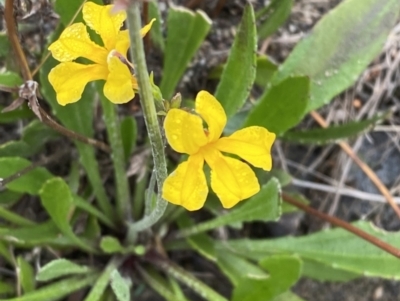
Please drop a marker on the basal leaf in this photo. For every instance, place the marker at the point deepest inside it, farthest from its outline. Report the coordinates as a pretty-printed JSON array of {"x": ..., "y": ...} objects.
[
  {"x": 128, "y": 135},
  {"x": 240, "y": 70},
  {"x": 26, "y": 275},
  {"x": 59, "y": 268},
  {"x": 340, "y": 47},
  {"x": 120, "y": 286},
  {"x": 273, "y": 16},
  {"x": 265, "y": 71},
  {"x": 288, "y": 296},
  {"x": 282, "y": 106},
  {"x": 156, "y": 29},
  {"x": 110, "y": 244}
]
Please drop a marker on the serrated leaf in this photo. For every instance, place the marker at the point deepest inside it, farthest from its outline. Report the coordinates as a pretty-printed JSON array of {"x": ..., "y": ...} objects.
[
  {"x": 156, "y": 30},
  {"x": 240, "y": 70},
  {"x": 340, "y": 47},
  {"x": 282, "y": 106},
  {"x": 111, "y": 245},
  {"x": 186, "y": 31},
  {"x": 58, "y": 290},
  {"x": 10, "y": 79},
  {"x": 58, "y": 201},
  {"x": 30, "y": 182},
  {"x": 26, "y": 275},
  {"x": 120, "y": 286},
  {"x": 264, "y": 206},
  {"x": 332, "y": 133},
  {"x": 335, "y": 247},
  {"x": 59, "y": 268},
  {"x": 273, "y": 16},
  {"x": 284, "y": 272},
  {"x": 128, "y": 135}
]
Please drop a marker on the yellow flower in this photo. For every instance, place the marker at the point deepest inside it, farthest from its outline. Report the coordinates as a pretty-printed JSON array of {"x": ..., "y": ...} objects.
[
  {"x": 231, "y": 179},
  {"x": 109, "y": 61}
]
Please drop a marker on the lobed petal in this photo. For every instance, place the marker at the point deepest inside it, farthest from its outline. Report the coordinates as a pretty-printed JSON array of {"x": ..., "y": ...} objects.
[
  {"x": 252, "y": 144},
  {"x": 104, "y": 22},
  {"x": 147, "y": 28},
  {"x": 184, "y": 131},
  {"x": 75, "y": 42},
  {"x": 231, "y": 179},
  {"x": 209, "y": 108},
  {"x": 69, "y": 80},
  {"x": 118, "y": 87},
  {"x": 187, "y": 185}
]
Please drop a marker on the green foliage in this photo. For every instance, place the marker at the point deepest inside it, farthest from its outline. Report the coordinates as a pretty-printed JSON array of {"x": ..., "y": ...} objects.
[
  {"x": 10, "y": 79},
  {"x": 25, "y": 275},
  {"x": 186, "y": 32},
  {"x": 239, "y": 72},
  {"x": 156, "y": 29},
  {"x": 340, "y": 47},
  {"x": 128, "y": 135},
  {"x": 59, "y": 268},
  {"x": 273, "y": 16},
  {"x": 120, "y": 286}
]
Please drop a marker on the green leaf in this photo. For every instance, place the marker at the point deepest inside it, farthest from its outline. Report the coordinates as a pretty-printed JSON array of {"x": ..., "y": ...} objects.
[
  {"x": 265, "y": 71},
  {"x": 6, "y": 288},
  {"x": 57, "y": 290},
  {"x": 264, "y": 206},
  {"x": 186, "y": 31},
  {"x": 67, "y": 9},
  {"x": 111, "y": 245},
  {"x": 335, "y": 248},
  {"x": 201, "y": 242},
  {"x": 14, "y": 218},
  {"x": 10, "y": 79},
  {"x": 120, "y": 286},
  {"x": 22, "y": 112},
  {"x": 275, "y": 14},
  {"x": 25, "y": 275},
  {"x": 332, "y": 133},
  {"x": 58, "y": 201},
  {"x": 282, "y": 106},
  {"x": 240, "y": 70},
  {"x": 59, "y": 268},
  {"x": 29, "y": 182},
  {"x": 156, "y": 30},
  {"x": 284, "y": 270},
  {"x": 236, "y": 267},
  {"x": 323, "y": 272},
  {"x": 77, "y": 117},
  {"x": 340, "y": 47},
  {"x": 4, "y": 45},
  {"x": 89, "y": 208},
  {"x": 5, "y": 253},
  {"x": 288, "y": 296},
  {"x": 9, "y": 198},
  {"x": 128, "y": 135}
]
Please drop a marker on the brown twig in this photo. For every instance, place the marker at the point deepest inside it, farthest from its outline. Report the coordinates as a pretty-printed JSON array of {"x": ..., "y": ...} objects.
[
  {"x": 342, "y": 224},
  {"x": 364, "y": 167}
]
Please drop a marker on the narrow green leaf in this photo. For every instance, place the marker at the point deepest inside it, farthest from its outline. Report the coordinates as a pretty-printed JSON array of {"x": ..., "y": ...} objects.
[
  {"x": 30, "y": 182},
  {"x": 89, "y": 208},
  {"x": 58, "y": 201},
  {"x": 156, "y": 29},
  {"x": 10, "y": 79},
  {"x": 22, "y": 112},
  {"x": 9, "y": 198},
  {"x": 265, "y": 71},
  {"x": 240, "y": 70},
  {"x": 284, "y": 270},
  {"x": 4, "y": 45},
  {"x": 332, "y": 133},
  {"x": 120, "y": 286},
  {"x": 26, "y": 275},
  {"x": 340, "y": 47},
  {"x": 58, "y": 290},
  {"x": 66, "y": 9},
  {"x": 264, "y": 206},
  {"x": 282, "y": 106},
  {"x": 128, "y": 135},
  {"x": 111, "y": 245},
  {"x": 186, "y": 31},
  {"x": 335, "y": 248},
  {"x": 288, "y": 296},
  {"x": 5, "y": 253},
  {"x": 323, "y": 272},
  {"x": 274, "y": 15},
  {"x": 14, "y": 218},
  {"x": 59, "y": 268}
]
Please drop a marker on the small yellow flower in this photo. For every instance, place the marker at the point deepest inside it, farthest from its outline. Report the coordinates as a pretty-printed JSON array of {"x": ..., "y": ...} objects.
[
  {"x": 109, "y": 61},
  {"x": 231, "y": 179}
]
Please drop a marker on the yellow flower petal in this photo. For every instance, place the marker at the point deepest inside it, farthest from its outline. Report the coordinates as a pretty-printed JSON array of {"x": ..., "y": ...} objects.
[
  {"x": 252, "y": 144},
  {"x": 213, "y": 114},
  {"x": 104, "y": 22},
  {"x": 231, "y": 179},
  {"x": 75, "y": 42},
  {"x": 69, "y": 79},
  {"x": 147, "y": 28},
  {"x": 184, "y": 131},
  {"x": 118, "y": 87},
  {"x": 123, "y": 42},
  {"x": 187, "y": 185}
]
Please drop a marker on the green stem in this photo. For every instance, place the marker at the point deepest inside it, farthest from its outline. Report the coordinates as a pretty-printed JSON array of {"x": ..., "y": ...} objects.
[
  {"x": 118, "y": 157},
  {"x": 150, "y": 117},
  {"x": 15, "y": 218}
]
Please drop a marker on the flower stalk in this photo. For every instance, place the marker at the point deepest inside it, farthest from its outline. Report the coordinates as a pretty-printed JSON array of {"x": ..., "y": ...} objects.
[{"x": 150, "y": 117}]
